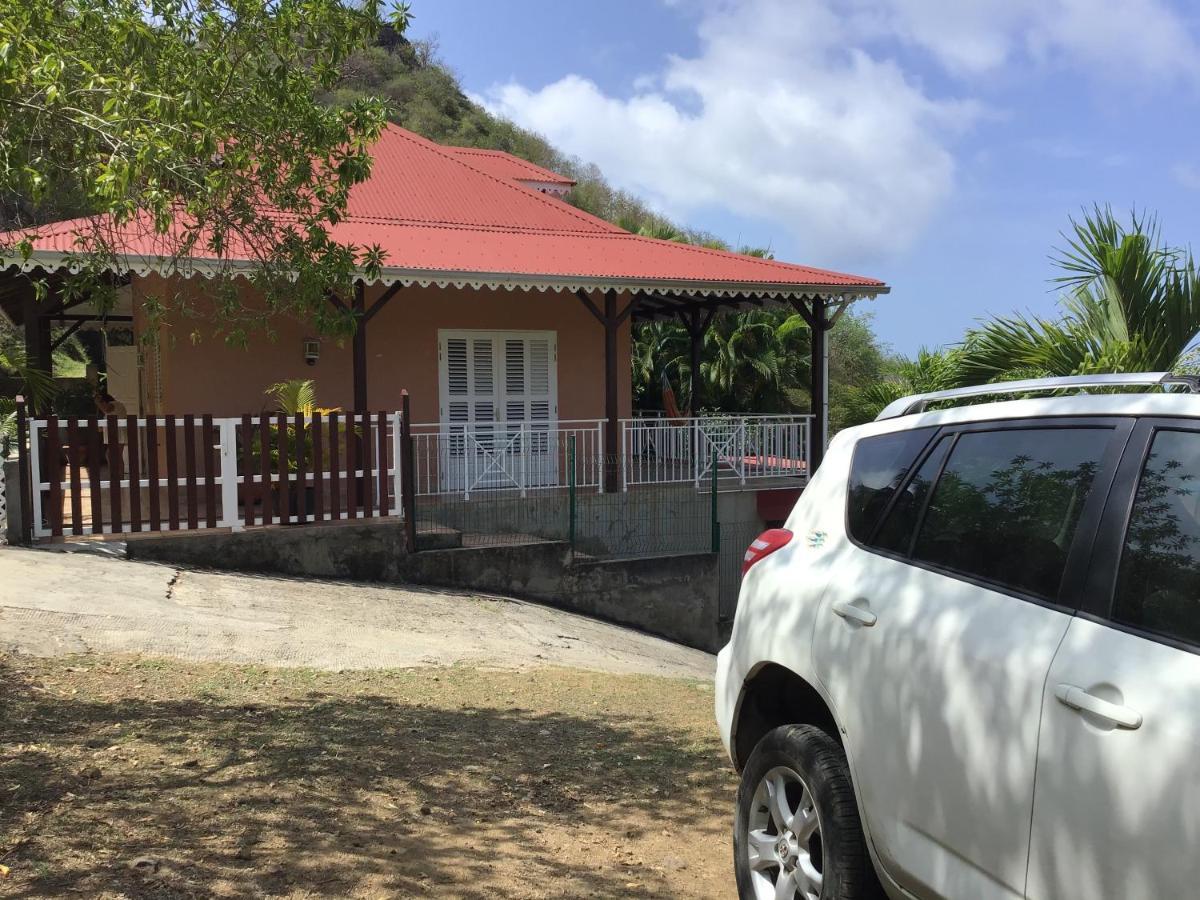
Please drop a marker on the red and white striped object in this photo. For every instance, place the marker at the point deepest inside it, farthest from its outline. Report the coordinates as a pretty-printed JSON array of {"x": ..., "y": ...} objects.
[{"x": 764, "y": 545}]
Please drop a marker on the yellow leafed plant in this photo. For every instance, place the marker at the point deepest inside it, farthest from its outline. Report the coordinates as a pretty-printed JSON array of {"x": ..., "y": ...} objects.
[{"x": 296, "y": 396}]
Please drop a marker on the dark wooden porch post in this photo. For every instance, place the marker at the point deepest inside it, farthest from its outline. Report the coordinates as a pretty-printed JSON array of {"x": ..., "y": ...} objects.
[
  {"x": 612, "y": 322},
  {"x": 696, "y": 322},
  {"x": 697, "y": 337},
  {"x": 359, "y": 347},
  {"x": 38, "y": 353},
  {"x": 29, "y": 315},
  {"x": 611, "y": 401},
  {"x": 819, "y": 323},
  {"x": 362, "y": 315}
]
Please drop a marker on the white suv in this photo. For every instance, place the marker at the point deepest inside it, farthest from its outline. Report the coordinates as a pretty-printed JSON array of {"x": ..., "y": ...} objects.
[{"x": 968, "y": 667}]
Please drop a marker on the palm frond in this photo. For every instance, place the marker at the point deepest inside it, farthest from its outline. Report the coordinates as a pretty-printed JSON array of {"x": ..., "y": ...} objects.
[
  {"x": 296, "y": 396},
  {"x": 36, "y": 384},
  {"x": 1130, "y": 303}
]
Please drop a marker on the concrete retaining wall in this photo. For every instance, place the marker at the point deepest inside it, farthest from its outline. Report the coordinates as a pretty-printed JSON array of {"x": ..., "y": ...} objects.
[
  {"x": 673, "y": 596},
  {"x": 353, "y": 552}
]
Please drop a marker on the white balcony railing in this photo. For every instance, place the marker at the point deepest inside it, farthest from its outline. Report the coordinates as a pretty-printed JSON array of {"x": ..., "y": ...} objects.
[
  {"x": 464, "y": 459},
  {"x": 527, "y": 456},
  {"x": 662, "y": 450}
]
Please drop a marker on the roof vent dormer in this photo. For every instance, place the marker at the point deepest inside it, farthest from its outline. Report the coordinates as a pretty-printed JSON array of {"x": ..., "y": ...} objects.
[{"x": 499, "y": 164}]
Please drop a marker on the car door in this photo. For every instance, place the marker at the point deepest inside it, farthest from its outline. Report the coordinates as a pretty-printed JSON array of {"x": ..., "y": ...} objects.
[
  {"x": 935, "y": 642},
  {"x": 1117, "y": 806}
]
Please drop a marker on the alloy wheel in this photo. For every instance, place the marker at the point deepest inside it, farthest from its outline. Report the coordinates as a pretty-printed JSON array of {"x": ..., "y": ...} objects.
[{"x": 784, "y": 842}]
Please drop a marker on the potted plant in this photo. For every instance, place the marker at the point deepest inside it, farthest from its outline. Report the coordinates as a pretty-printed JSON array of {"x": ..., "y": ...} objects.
[{"x": 295, "y": 397}]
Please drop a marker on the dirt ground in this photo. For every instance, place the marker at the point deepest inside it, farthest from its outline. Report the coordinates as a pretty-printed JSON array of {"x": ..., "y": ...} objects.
[
  {"x": 55, "y": 603},
  {"x": 133, "y": 777}
]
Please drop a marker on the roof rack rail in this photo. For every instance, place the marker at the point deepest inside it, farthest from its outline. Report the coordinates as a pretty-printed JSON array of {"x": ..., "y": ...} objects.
[{"x": 918, "y": 402}]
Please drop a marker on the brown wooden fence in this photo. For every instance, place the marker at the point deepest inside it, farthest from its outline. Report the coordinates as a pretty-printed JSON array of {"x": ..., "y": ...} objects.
[{"x": 131, "y": 474}]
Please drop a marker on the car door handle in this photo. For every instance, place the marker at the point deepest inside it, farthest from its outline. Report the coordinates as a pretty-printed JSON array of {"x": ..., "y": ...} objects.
[
  {"x": 855, "y": 613},
  {"x": 1077, "y": 698}
]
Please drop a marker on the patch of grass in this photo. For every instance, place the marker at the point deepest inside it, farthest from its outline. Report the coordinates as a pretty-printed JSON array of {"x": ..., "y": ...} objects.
[{"x": 150, "y": 665}]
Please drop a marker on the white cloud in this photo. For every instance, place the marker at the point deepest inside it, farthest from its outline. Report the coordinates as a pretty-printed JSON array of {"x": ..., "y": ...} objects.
[
  {"x": 1187, "y": 175},
  {"x": 793, "y": 112},
  {"x": 773, "y": 120},
  {"x": 1115, "y": 39}
]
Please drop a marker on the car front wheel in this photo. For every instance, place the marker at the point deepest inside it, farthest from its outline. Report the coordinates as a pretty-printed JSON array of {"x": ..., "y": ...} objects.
[{"x": 797, "y": 835}]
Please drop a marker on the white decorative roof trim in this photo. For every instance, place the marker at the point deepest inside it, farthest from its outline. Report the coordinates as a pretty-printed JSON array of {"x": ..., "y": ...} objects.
[{"x": 53, "y": 261}]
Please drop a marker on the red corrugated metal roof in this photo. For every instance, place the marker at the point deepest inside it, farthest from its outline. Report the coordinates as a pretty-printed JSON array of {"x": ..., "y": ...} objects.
[
  {"x": 414, "y": 180},
  {"x": 439, "y": 216},
  {"x": 505, "y": 165}
]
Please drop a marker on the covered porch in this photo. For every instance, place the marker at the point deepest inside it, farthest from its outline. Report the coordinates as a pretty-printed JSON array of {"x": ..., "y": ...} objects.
[
  {"x": 488, "y": 412},
  {"x": 509, "y": 442},
  {"x": 489, "y": 450}
]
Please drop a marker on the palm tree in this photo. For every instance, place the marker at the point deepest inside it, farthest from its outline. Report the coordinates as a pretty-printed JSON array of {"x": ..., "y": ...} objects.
[
  {"x": 296, "y": 396},
  {"x": 932, "y": 370},
  {"x": 1131, "y": 303},
  {"x": 749, "y": 362},
  {"x": 660, "y": 347},
  {"x": 755, "y": 360},
  {"x": 749, "y": 356},
  {"x": 652, "y": 227},
  {"x": 37, "y": 386}
]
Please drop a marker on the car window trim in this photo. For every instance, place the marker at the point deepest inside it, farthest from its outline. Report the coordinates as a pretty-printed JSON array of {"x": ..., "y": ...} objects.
[
  {"x": 1082, "y": 543},
  {"x": 919, "y": 459},
  {"x": 951, "y": 443},
  {"x": 1073, "y": 588},
  {"x": 1109, "y": 549},
  {"x": 1104, "y": 560},
  {"x": 917, "y": 462}
]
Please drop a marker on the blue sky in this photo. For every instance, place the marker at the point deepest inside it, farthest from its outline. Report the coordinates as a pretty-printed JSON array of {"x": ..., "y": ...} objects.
[{"x": 938, "y": 145}]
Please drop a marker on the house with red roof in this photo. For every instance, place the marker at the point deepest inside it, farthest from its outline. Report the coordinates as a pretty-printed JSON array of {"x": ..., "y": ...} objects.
[{"x": 502, "y": 311}]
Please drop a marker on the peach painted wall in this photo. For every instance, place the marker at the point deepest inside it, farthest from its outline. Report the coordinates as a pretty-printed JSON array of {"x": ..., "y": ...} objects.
[{"x": 209, "y": 376}]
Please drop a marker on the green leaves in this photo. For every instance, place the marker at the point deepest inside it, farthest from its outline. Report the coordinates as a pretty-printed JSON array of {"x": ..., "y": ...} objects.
[
  {"x": 1131, "y": 304},
  {"x": 753, "y": 361},
  {"x": 36, "y": 385},
  {"x": 200, "y": 122},
  {"x": 295, "y": 396},
  {"x": 931, "y": 370}
]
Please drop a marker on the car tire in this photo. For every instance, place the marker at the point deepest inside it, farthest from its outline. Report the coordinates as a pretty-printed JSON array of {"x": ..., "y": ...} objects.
[{"x": 813, "y": 837}]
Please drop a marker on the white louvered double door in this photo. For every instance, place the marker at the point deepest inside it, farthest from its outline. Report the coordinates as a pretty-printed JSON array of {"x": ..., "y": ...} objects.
[{"x": 499, "y": 400}]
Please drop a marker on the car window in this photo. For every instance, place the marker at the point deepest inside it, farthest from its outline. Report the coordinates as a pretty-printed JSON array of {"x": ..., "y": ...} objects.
[
  {"x": 1007, "y": 503},
  {"x": 897, "y": 531},
  {"x": 1158, "y": 584},
  {"x": 879, "y": 466}
]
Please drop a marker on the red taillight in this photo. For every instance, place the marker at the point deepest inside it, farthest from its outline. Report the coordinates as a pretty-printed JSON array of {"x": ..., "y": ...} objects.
[{"x": 764, "y": 545}]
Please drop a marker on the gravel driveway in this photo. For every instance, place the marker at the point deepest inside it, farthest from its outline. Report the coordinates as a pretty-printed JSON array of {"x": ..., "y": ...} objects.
[{"x": 54, "y": 603}]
